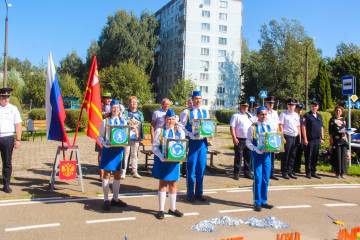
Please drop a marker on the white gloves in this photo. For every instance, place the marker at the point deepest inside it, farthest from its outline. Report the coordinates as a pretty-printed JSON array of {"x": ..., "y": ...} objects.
[
  {"x": 161, "y": 157},
  {"x": 105, "y": 145},
  {"x": 257, "y": 150},
  {"x": 192, "y": 136}
]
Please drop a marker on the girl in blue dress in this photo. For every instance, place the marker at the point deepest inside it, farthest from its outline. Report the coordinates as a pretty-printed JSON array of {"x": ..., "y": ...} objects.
[
  {"x": 167, "y": 172},
  {"x": 111, "y": 157}
]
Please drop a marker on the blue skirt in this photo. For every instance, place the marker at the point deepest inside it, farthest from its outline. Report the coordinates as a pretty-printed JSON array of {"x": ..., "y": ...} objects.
[
  {"x": 111, "y": 158},
  {"x": 168, "y": 171}
]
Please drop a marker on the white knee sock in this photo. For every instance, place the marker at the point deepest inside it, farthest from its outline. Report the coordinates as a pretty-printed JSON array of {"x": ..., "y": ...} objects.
[
  {"x": 105, "y": 186},
  {"x": 162, "y": 198},
  {"x": 116, "y": 189},
  {"x": 172, "y": 200}
]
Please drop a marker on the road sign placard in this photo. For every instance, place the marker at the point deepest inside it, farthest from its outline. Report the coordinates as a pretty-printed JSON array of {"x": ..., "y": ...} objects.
[
  {"x": 354, "y": 98},
  {"x": 252, "y": 99},
  {"x": 176, "y": 103},
  {"x": 351, "y": 104},
  {"x": 263, "y": 94},
  {"x": 348, "y": 85},
  {"x": 357, "y": 105}
]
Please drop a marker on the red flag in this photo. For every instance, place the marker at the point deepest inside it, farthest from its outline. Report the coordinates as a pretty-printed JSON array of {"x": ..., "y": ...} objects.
[{"x": 92, "y": 102}]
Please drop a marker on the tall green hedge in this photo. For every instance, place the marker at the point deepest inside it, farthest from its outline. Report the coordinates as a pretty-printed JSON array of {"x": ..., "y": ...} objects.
[
  {"x": 149, "y": 109},
  {"x": 37, "y": 114}
]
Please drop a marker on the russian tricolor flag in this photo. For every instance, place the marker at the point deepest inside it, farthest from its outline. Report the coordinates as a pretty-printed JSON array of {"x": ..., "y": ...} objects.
[{"x": 55, "y": 112}]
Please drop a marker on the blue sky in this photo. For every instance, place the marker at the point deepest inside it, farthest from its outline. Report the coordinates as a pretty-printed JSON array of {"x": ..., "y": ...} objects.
[{"x": 60, "y": 26}]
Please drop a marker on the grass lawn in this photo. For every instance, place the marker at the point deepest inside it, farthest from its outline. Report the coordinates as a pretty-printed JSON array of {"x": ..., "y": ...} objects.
[{"x": 354, "y": 170}]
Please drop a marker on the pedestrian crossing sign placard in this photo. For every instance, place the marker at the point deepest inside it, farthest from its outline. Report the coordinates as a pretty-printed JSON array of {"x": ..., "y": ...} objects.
[
  {"x": 270, "y": 142},
  {"x": 263, "y": 94},
  {"x": 175, "y": 150},
  {"x": 117, "y": 135},
  {"x": 252, "y": 99}
]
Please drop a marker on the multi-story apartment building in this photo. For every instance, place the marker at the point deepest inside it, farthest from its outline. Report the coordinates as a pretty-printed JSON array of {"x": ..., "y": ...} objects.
[{"x": 201, "y": 40}]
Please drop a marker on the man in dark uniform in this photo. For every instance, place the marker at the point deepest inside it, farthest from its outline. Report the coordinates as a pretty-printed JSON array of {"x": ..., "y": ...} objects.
[
  {"x": 313, "y": 133},
  {"x": 10, "y": 120},
  {"x": 299, "y": 141},
  {"x": 273, "y": 120},
  {"x": 239, "y": 127}
]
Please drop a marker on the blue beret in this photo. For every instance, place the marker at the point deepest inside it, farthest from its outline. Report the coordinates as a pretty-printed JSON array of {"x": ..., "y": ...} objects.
[
  {"x": 260, "y": 108},
  {"x": 114, "y": 102},
  {"x": 196, "y": 94},
  {"x": 170, "y": 113}
]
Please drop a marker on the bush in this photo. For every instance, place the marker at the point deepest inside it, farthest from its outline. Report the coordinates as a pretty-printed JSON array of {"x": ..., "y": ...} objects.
[
  {"x": 72, "y": 117},
  {"x": 15, "y": 101},
  {"x": 149, "y": 109},
  {"x": 224, "y": 116},
  {"x": 37, "y": 114},
  {"x": 355, "y": 117}
]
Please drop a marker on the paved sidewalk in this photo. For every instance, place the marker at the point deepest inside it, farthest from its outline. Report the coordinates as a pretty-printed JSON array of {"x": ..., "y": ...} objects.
[{"x": 32, "y": 166}]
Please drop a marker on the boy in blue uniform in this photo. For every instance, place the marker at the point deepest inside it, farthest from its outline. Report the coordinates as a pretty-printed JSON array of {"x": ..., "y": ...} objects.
[
  {"x": 261, "y": 161},
  {"x": 197, "y": 149}
]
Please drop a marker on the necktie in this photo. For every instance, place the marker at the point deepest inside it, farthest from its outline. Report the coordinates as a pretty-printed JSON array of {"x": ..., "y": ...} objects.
[
  {"x": 199, "y": 113},
  {"x": 170, "y": 134},
  {"x": 263, "y": 128}
]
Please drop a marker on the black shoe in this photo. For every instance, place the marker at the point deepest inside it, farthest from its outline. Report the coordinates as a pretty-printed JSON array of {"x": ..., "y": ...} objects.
[
  {"x": 191, "y": 199},
  {"x": 292, "y": 176},
  {"x": 268, "y": 206},
  {"x": 176, "y": 213},
  {"x": 7, "y": 189},
  {"x": 315, "y": 175},
  {"x": 249, "y": 176},
  {"x": 298, "y": 171},
  {"x": 308, "y": 176},
  {"x": 200, "y": 198},
  {"x": 118, "y": 204},
  {"x": 285, "y": 176},
  {"x": 257, "y": 208},
  {"x": 236, "y": 177},
  {"x": 160, "y": 215},
  {"x": 273, "y": 177},
  {"x": 107, "y": 206}
]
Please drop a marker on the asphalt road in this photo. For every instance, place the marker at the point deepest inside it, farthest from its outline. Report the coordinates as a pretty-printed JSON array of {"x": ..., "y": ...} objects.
[{"x": 303, "y": 207}]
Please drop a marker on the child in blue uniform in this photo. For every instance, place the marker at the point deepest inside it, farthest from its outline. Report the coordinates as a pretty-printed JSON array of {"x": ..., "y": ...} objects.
[
  {"x": 167, "y": 172},
  {"x": 261, "y": 161},
  {"x": 111, "y": 157}
]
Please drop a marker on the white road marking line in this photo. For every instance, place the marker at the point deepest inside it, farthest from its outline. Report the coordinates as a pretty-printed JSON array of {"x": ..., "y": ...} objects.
[
  {"x": 330, "y": 187},
  {"x": 29, "y": 200},
  {"x": 295, "y": 206},
  {"x": 277, "y": 189},
  {"x": 340, "y": 204},
  {"x": 235, "y": 210},
  {"x": 49, "y": 201},
  {"x": 31, "y": 227},
  {"x": 185, "y": 214},
  {"x": 240, "y": 190},
  {"x": 111, "y": 220}
]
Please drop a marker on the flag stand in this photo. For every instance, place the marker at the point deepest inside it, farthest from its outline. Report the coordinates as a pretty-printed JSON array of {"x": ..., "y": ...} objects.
[{"x": 57, "y": 162}]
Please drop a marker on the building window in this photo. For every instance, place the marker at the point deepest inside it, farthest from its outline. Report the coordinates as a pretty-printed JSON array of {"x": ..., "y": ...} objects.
[
  {"x": 204, "y": 89},
  {"x": 220, "y": 90},
  {"x": 205, "y": 26},
  {"x": 205, "y": 51},
  {"x": 222, "y": 65},
  {"x": 222, "y": 41},
  {"x": 205, "y": 14},
  {"x": 222, "y": 53},
  {"x": 207, "y": 2},
  {"x": 220, "y": 102},
  {"x": 221, "y": 77},
  {"x": 205, "y": 38},
  {"x": 222, "y": 28},
  {"x": 205, "y": 102},
  {"x": 222, "y": 16},
  {"x": 204, "y": 76},
  {"x": 223, "y": 4},
  {"x": 204, "y": 64}
]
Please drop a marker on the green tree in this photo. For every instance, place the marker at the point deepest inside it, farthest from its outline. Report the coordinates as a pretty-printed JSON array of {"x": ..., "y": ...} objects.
[
  {"x": 182, "y": 89},
  {"x": 125, "y": 80},
  {"x": 35, "y": 88},
  {"x": 125, "y": 37},
  {"x": 17, "y": 83},
  {"x": 68, "y": 86},
  {"x": 323, "y": 91}
]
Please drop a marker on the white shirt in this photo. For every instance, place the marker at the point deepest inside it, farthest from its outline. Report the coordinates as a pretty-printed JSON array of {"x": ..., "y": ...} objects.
[
  {"x": 290, "y": 122},
  {"x": 241, "y": 123},
  {"x": 102, "y": 130},
  {"x": 273, "y": 120},
  {"x": 159, "y": 117},
  {"x": 250, "y": 135},
  {"x": 184, "y": 116},
  {"x": 157, "y": 133},
  {"x": 9, "y": 116}
]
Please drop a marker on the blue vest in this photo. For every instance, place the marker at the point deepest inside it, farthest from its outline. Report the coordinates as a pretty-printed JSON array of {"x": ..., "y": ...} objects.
[
  {"x": 111, "y": 122},
  {"x": 191, "y": 117},
  {"x": 170, "y": 135}
]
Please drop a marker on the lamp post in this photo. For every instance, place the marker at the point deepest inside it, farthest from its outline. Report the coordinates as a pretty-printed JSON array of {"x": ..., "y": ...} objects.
[
  {"x": 306, "y": 71},
  {"x": 6, "y": 37}
]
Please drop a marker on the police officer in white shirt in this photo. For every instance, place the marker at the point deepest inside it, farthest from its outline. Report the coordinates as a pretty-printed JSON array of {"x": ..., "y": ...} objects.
[
  {"x": 273, "y": 120},
  {"x": 158, "y": 117},
  {"x": 289, "y": 123},
  {"x": 10, "y": 120},
  {"x": 239, "y": 126}
]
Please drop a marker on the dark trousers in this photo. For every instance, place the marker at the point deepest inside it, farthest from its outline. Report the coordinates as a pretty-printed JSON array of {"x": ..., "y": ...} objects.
[
  {"x": 311, "y": 155},
  {"x": 339, "y": 159},
  {"x": 288, "y": 157},
  {"x": 272, "y": 156},
  {"x": 299, "y": 152},
  {"x": 242, "y": 153},
  {"x": 6, "y": 149}
]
